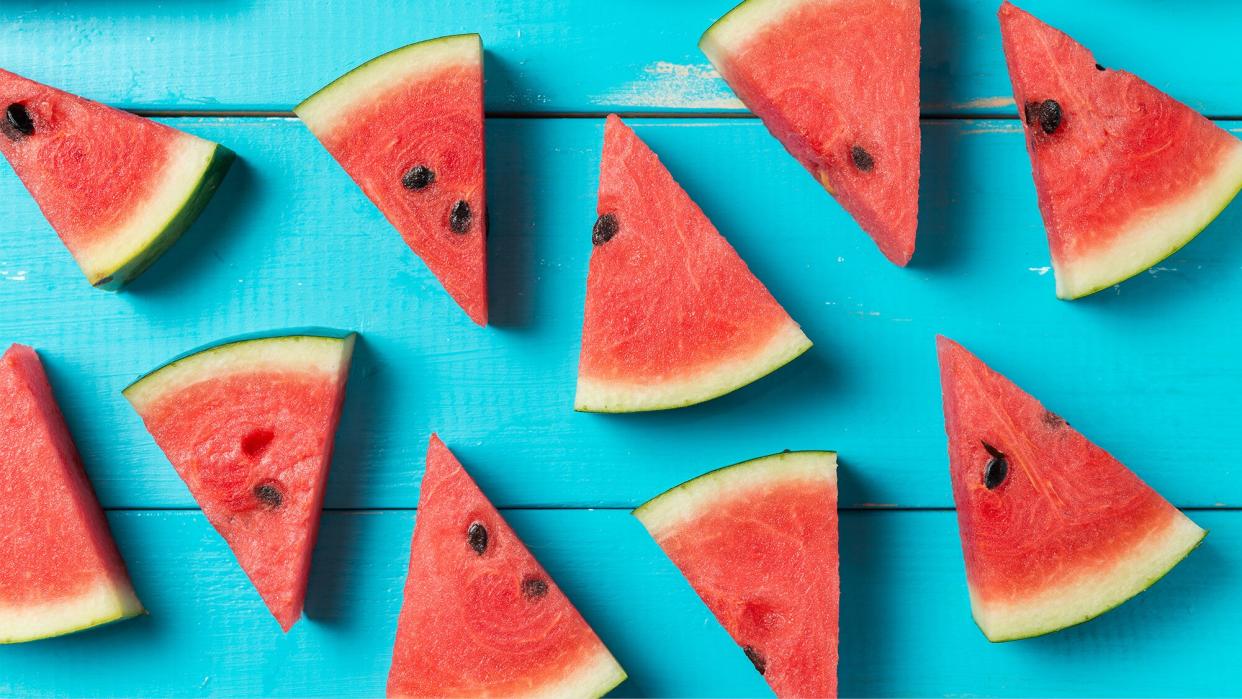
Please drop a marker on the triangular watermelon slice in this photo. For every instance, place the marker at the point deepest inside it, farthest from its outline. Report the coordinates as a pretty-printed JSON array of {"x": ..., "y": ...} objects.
[
  {"x": 59, "y": 568},
  {"x": 1125, "y": 174},
  {"x": 1055, "y": 531},
  {"x": 673, "y": 315},
  {"x": 837, "y": 81},
  {"x": 408, "y": 128},
  {"x": 758, "y": 542},
  {"x": 249, "y": 427},
  {"x": 119, "y": 189},
  {"x": 481, "y": 617}
]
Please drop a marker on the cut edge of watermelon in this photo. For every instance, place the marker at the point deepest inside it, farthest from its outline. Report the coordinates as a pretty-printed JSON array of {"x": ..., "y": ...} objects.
[
  {"x": 1092, "y": 596},
  {"x": 682, "y": 503},
  {"x": 104, "y": 603},
  {"x": 595, "y": 678},
  {"x": 318, "y": 353},
  {"x": 196, "y": 168},
  {"x": 333, "y": 102},
  {"x": 617, "y": 396},
  {"x": 1153, "y": 237},
  {"x": 731, "y": 32}
]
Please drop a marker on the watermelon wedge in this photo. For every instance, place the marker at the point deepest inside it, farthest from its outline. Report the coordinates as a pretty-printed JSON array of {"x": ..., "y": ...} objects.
[
  {"x": 249, "y": 427},
  {"x": 758, "y": 542},
  {"x": 673, "y": 315},
  {"x": 1055, "y": 531},
  {"x": 1125, "y": 174},
  {"x": 61, "y": 571},
  {"x": 408, "y": 128},
  {"x": 837, "y": 82},
  {"x": 119, "y": 189},
  {"x": 481, "y": 617}
]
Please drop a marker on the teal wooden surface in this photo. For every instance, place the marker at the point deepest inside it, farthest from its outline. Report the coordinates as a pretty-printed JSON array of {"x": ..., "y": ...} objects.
[
  {"x": 1148, "y": 370},
  {"x": 555, "y": 56}
]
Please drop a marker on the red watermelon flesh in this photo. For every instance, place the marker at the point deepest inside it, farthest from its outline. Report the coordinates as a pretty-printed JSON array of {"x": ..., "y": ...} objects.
[
  {"x": 758, "y": 542},
  {"x": 249, "y": 427},
  {"x": 837, "y": 81},
  {"x": 119, "y": 189},
  {"x": 481, "y": 617},
  {"x": 61, "y": 570},
  {"x": 673, "y": 314},
  {"x": 1055, "y": 531},
  {"x": 1125, "y": 174},
  {"x": 408, "y": 128}
]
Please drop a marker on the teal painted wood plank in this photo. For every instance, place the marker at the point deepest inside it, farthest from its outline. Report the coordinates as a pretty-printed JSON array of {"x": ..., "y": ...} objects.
[
  {"x": 906, "y": 626},
  {"x": 1148, "y": 370},
  {"x": 570, "y": 55}
]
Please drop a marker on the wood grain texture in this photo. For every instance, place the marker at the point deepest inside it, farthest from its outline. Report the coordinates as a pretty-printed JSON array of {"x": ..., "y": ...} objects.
[
  {"x": 1148, "y": 370},
  {"x": 906, "y": 626},
  {"x": 554, "y": 57}
]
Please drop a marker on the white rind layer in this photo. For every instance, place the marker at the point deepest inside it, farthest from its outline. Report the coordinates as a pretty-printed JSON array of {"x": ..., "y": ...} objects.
[
  {"x": 608, "y": 396},
  {"x": 294, "y": 353},
  {"x": 188, "y": 165},
  {"x": 674, "y": 508},
  {"x": 731, "y": 33},
  {"x": 105, "y": 602},
  {"x": 321, "y": 110},
  {"x": 592, "y": 679},
  {"x": 1153, "y": 235},
  {"x": 1090, "y": 595}
]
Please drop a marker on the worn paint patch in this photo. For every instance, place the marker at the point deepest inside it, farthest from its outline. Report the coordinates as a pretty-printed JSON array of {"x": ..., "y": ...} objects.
[
  {"x": 978, "y": 127},
  {"x": 669, "y": 85},
  {"x": 997, "y": 102}
]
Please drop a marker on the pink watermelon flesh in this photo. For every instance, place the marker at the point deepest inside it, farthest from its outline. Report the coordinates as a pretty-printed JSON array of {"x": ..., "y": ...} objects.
[
  {"x": 119, "y": 189},
  {"x": 673, "y": 315},
  {"x": 61, "y": 569},
  {"x": 837, "y": 81},
  {"x": 1125, "y": 174},
  {"x": 481, "y": 617},
  {"x": 420, "y": 106},
  {"x": 1054, "y": 530},
  {"x": 249, "y": 427},
  {"x": 758, "y": 542}
]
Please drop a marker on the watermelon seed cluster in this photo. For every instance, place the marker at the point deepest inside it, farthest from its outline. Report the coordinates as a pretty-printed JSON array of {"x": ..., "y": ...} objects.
[
  {"x": 1046, "y": 113},
  {"x": 17, "y": 121}
]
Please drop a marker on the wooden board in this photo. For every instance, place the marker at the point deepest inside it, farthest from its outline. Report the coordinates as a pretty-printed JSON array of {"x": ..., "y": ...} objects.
[{"x": 1148, "y": 370}]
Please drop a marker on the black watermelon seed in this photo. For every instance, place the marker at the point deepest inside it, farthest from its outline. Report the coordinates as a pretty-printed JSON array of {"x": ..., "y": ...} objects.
[
  {"x": 269, "y": 495},
  {"x": 477, "y": 536},
  {"x": 1100, "y": 67},
  {"x": 862, "y": 159},
  {"x": 1047, "y": 114},
  {"x": 756, "y": 658},
  {"x": 534, "y": 588},
  {"x": 459, "y": 217},
  {"x": 18, "y": 121},
  {"x": 418, "y": 177},
  {"x": 997, "y": 469},
  {"x": 605, "y": 228}
]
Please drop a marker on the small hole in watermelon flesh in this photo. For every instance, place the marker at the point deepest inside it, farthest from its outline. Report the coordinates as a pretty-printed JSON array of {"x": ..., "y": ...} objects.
[
  {"x": 256, "y": 442},
  {"x": 269, "y": 495},
  {"x": 605, "y": 228},
  {"x": 17, "y": 121},
  {"x": 760, "y": 663},
  {"x": 460, "y": 216},
  {"x": 476, "y": 535},
  {"x": 862, "y": 159},
  {"x": 534, "y": 587},
  {"x": 1047, "y": 114}
]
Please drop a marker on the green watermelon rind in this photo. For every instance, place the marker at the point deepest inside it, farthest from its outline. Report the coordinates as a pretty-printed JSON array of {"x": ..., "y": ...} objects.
[
  {"x": 602, "y": 396},
  {"x": 363, "y": 84},
  {"x": 737, "y": 25},
  {"x": 1169, "y": 230},
  {"x": 80, "y": 614},
  {"x": 682, "y": 502},
  {"x": 318, "y": 352},
  {"x": 111, "y": 266},
  {"x": 1188, "y": 537}
]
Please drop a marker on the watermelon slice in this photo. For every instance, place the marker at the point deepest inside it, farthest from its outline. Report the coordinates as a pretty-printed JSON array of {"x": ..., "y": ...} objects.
[
  {"x": 249, "y": 427},
  {"x": 837, "y": 81},
  {"x": 1055, "y": 531},
  {"x": 61, "y": 570},
  {"x": 673, "y": 315},
  {"x": 119, "y": 189},
  {"x": 408, "y": 128},
  {"x": 1125, "y": 174},
  {"x": 481, "y": 617},
  {"x": 758, "y": 542}
]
